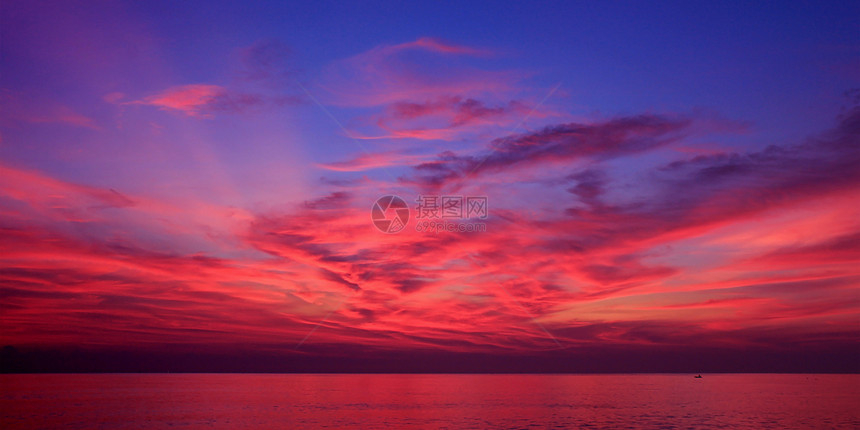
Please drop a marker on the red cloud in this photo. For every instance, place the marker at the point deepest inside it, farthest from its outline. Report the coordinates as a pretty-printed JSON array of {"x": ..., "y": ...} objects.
[{"x": 588, "y": 271}]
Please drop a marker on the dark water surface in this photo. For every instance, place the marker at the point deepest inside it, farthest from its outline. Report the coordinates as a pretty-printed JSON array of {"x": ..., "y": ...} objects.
[{"x": 429, "y": 401}]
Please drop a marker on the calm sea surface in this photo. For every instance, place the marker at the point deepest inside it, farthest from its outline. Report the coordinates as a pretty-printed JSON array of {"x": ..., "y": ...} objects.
[{"x": 429, "y": 401}]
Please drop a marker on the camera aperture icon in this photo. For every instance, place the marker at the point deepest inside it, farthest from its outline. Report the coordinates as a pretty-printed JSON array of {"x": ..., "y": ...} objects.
[{"x": 390, "y": 214}]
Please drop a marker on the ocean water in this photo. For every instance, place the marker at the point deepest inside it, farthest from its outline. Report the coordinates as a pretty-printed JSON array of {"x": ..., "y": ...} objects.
[{"x": 191, "y": 401}]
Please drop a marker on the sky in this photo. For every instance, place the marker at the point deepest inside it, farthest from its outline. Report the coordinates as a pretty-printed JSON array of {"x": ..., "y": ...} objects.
[{"x": 665, "y": 187}]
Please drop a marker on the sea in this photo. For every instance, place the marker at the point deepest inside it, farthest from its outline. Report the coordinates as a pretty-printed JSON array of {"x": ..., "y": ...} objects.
[{"x": 430, "y": 401}]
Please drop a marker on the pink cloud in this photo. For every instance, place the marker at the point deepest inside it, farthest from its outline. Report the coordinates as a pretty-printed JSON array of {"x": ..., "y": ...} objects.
[
  {"x": 259, "y": 81},
  {"x": 203, "y": 100},
  {"x": 367, "y": 161},
  {"x": 448, "y": 118},
  {"x": 189, "y": 99},
  {"x": 437, "y": 92}
]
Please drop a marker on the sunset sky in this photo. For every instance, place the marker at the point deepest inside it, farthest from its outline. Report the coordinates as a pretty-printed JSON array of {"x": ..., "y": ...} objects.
[{"x": 197, "y": 178}]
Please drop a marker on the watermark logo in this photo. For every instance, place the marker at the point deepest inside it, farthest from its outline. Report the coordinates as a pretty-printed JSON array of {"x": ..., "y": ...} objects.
[
  {"x": 456, "y": 207},
  {"x": 435, "y": 214},
  {"x": 451, "y": 213},
  {"x": 390, "y": 214}
]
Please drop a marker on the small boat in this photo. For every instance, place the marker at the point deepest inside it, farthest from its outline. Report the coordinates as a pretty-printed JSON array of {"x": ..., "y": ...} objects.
[{"x": 698, "y": 376}]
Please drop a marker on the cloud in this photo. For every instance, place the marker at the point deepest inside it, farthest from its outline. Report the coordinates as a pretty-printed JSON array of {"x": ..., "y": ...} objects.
[
  {"x": 842, "y": 249},
  {"x": 595, "y": 250},
  {"x": 19, "y": 109},
  {"x": 599, "y": 141},
  {"x": 262, "y": 81},
  {"x": 385, "y": 74},
  {"x": 189, "y": 99},
  {"x": 367, "y": 161},
  {"x": 446, "y": 118},
  {"x": 683, "y": 199},
  {"x": 203, "y": 101},
  {"x": 37, "y": 189},
  {"x": 435, "y": 45},
  {"x": 428, "y": 89},
  {"x": 591, "y": 267}
]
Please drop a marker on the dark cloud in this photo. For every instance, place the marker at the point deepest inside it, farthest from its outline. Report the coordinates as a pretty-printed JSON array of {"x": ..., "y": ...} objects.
[
  {"x": 454, "y": 112},
  {"x": 707, "y": 190},
  {"x": 600, "y": 141}
]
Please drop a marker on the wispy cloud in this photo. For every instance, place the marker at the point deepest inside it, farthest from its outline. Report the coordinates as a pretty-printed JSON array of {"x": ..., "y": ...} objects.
[
  {"x": 376, "y": 160},
  {"x": 383, "y": 75},
  {"x": 592, "y": 270},
  {"x": 598, "y": 141},
  {"x": 261, "y": 81},
  {"x": 599, "y": 233},
  {"x": 435, "y": 45},
  {"x": 17, "y": 108}
]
